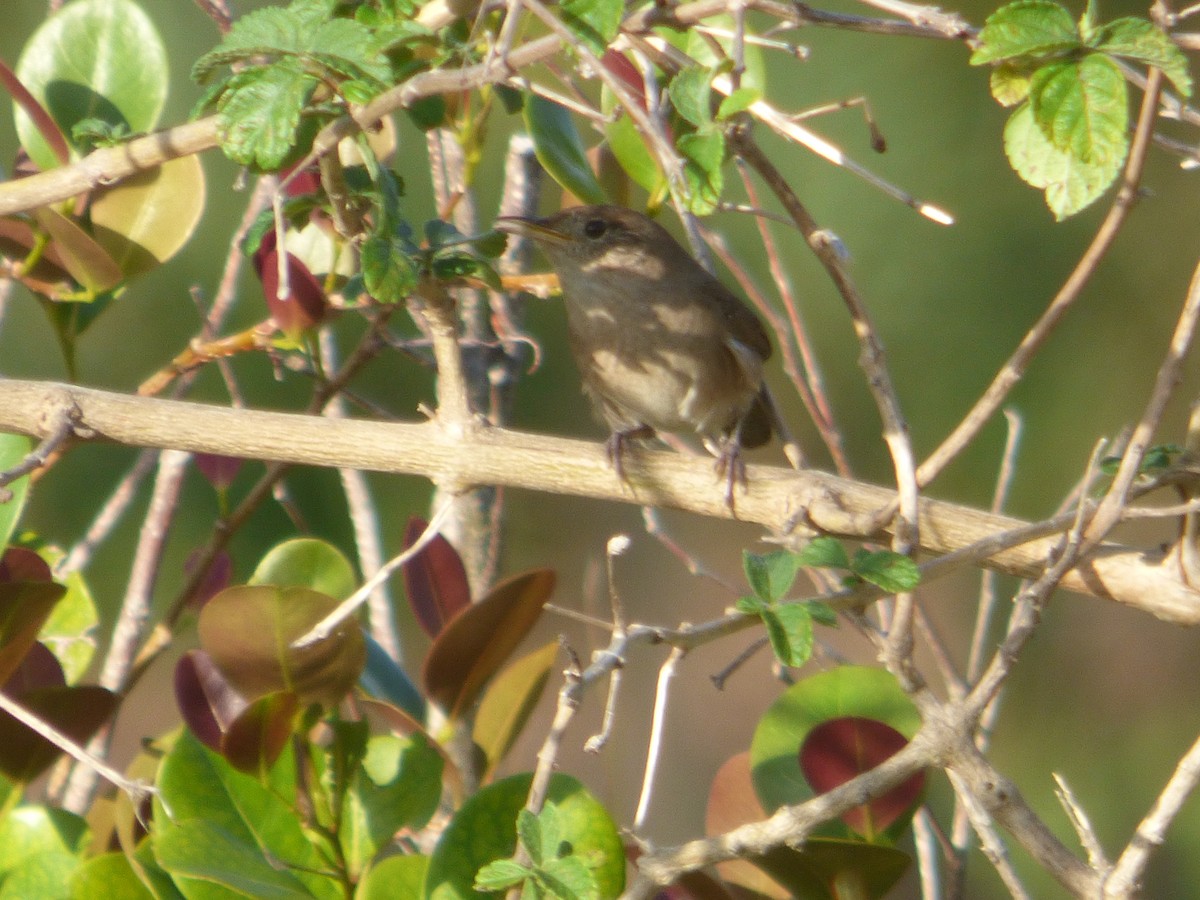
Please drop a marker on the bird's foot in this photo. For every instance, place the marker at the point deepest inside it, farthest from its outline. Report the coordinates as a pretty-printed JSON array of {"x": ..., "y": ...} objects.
[
  {"x": 617, "y": 444},
  {"x": 730, "y": 468}
]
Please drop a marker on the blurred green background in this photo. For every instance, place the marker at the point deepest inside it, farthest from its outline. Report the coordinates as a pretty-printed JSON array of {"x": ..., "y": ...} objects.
[{"x": 1104, "y": 697}]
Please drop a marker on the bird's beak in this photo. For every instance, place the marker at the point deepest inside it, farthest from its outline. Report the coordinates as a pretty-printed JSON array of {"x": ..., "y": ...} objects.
[{"x": 534, "y": 229}]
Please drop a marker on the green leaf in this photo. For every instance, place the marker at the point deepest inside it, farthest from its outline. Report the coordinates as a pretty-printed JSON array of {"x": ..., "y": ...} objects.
[
  {"x": 886, "y": 569},
  {"x": 823, "y": 553},
  {"x": 501, "y": 874},
  {"x": 109, "y": 875},
  {"x": 738, "y": 101},
  {"x": 703, "y": 152},
  {"x": 260, "y": 113},
  {"x": 199, "y": 850},
  {"x": 1023, "y": 29},
  {"x": 398, "y": 786},
  {"x": 770, "y": 575},
  {"x": 395, "y": 876},
  {"x": 1145, "y": 42},
  {"x": 844, "y": 691},
  {"x": 1082, "y": 108},
  {"x": 1070, "y": 184},
  {"x": 509, "y": 701},
  {"x": 13, "y": 450},
  {"x": 99, "y": 59},
  {"x": 67, "y": 633},
  {"x": 691, "y": 95},
  {"x": 529, "y": 833},
  {"x": 310, "y": 563},
  {"x": 388, "y": 272},
  {"x": 483, "y": 830},
  {"x": 595, "y": 22},
  {"x": 789, "y": 628},
  {"x": 145, "y": 220},
  {"x": 225, "y": 818},
  {"x": 1009, "y": 84},
  {"x": 559, "y": 149}
]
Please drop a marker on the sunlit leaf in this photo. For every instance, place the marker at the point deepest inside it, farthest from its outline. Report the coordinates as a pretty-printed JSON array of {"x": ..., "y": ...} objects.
[
  {"x": 477, "y": 642},
  {"x": 307, "y": 562},
  {"x": 509, "y": 701},
  {"x": 13, "y": 450},
  {"x": 249, "y": 632},
  {"x": 81, "y": 255},
  {"x": 146, "y": 219},
  {"x": 99, "y": 59},
  {"x": 1025, "y": 28},
  {"x": 484, "y": 829}
]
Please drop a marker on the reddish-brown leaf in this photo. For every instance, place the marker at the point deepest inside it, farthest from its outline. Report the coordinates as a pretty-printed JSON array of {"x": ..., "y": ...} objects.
[
  {"x": 732, "y": 802},
  {"x": 435, "y": 580},
  {"x": 78, "y": 712},
  {"x": 257, "y": 736},
  {"x": 207, "y": 702},
  {"x": 474, "y": 645},
  {"x": 841, "y": 749}
]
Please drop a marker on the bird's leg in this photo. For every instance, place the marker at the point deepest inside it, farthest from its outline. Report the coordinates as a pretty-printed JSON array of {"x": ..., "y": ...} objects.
[
  {"x": 616, "y": 443},
  {"x": 730, "y": 466}
]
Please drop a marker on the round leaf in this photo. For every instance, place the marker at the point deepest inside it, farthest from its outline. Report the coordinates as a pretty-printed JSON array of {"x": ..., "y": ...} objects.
[
  {"x": 844, "y": 691},
  {"x": 99, "y": 59},
  {"x": 310, "y": 563},
  {"x": 249, "y": 631},
  {"x": 144, "y": 221}
]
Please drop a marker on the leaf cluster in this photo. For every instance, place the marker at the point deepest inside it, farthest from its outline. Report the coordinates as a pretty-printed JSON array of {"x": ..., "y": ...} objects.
[{"x": 1068, "y": 134}]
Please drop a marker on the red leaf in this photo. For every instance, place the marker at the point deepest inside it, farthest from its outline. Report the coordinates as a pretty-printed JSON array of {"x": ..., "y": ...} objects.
[
  {"x": 207, "y": 702},
  {"x": 305, "y": 305},
  {"x": 20, "y": 564},
  {"x": 435, "y": 580},
  {"x": 841, "y": 749},
  {"x": 619, "y": 65}
]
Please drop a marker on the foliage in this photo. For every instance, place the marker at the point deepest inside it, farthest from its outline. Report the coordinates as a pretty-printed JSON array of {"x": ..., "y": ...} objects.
[
  {"x": 1069, "y": 132},
  {"x": 311, "y": 761}
]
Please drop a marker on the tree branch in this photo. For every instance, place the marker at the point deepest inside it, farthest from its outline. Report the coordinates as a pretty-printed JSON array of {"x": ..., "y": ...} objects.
[{"x": 788, "y": 503}]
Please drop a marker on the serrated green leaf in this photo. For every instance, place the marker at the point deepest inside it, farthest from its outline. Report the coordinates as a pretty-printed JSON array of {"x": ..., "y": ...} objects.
[
  {"x": 1142, "y": 40},
  {"x": 823, "y": 553},
  {"x": 570, "y": 879},
  {"x": 691, "y": 95},
  {"x": 770, "y": 575},
  {"x": 388, "y": 272},
  {"x": 738, "y": 101},
  {"x": 559, "y": 149},
  {"x": 1024, "y": 29},
  {"x": 501, "y": 874},
  {"x": 1082, "y": 108},
  {"x": 886, "y": 569},
  {"x": 260, "y": 113},
  {"x": 529, "y": 833},
  {"x": 789, "y": 629},
  {"x": 1070, "y": 185},
  {"x": 595, "y": 22},
  {"x": 1009, "y": 84}
]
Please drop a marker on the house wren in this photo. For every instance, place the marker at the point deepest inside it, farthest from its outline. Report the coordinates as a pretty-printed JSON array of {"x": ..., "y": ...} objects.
[{"x": 661, "y": 344}]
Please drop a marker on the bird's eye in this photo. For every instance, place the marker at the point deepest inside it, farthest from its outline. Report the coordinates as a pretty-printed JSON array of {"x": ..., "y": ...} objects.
[{"x": 595, "y": 228}]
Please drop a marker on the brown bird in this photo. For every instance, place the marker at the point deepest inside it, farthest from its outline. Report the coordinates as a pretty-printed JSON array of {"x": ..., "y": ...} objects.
[{"x": 661, "y": 344}]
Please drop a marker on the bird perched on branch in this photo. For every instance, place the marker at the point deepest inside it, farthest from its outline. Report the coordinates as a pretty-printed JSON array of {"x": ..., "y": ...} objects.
[{"x": 661, "y": 344}]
